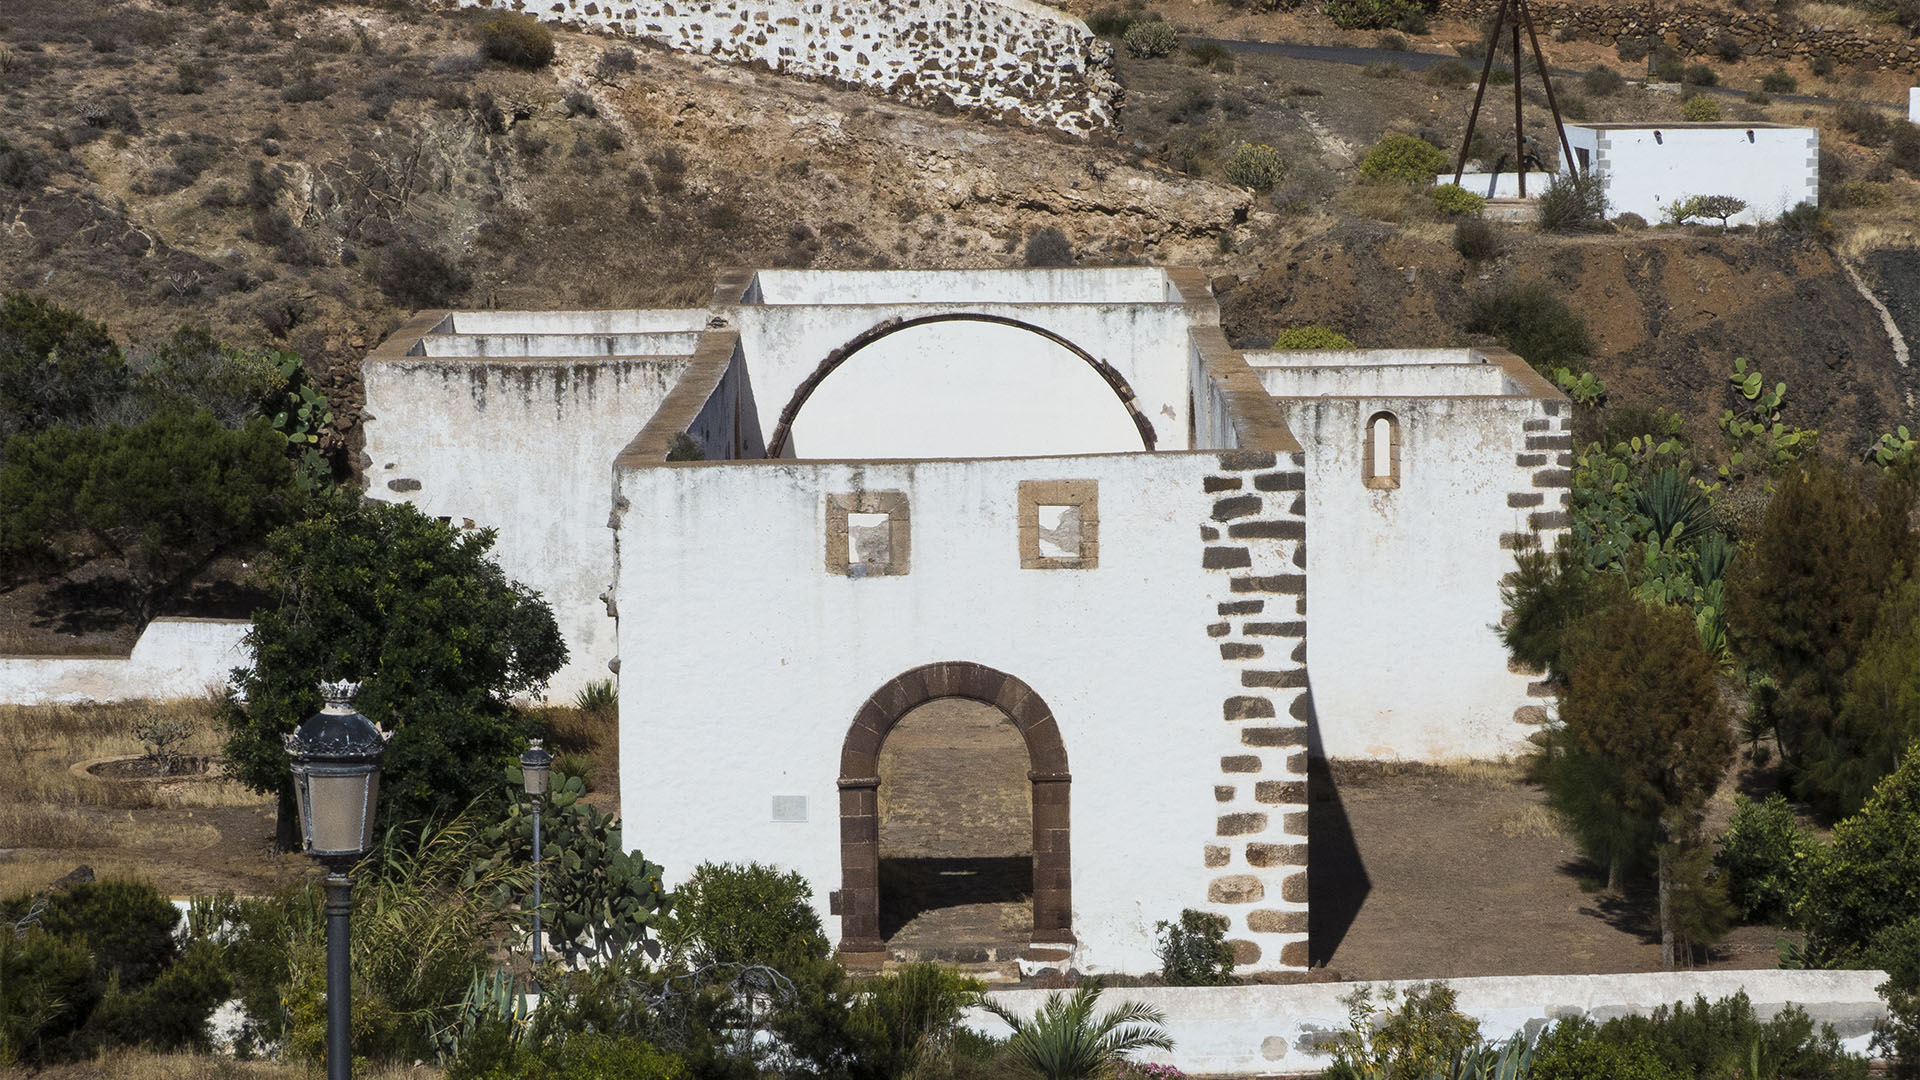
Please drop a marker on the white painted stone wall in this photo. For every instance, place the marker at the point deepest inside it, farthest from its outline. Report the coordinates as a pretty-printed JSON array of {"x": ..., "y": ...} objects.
[
  {"x": 745, "y": 661},
  {"x": 524, "y": 446},
  {"x": 1013, "y": 58},
  {"x": 789, "y": 324},
  {"x": 1394, "y": 573},
  {"x": 1267, "y": 1030},
  {"x": 1504, "y": 185},
  {"x": 173, "y": 658},
  {"x": 1647, "y": 169}
]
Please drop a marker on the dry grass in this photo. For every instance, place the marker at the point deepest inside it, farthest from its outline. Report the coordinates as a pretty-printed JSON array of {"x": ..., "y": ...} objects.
[
  {"x": 1385, "y": 201},
  {"x": 144, "y": 1065},
  {"x": 1500, "y": 773},
  {"x": 595, "y": 734},
  {"x": 1529, "y": 823},
  {"x": 1852, "y": 18},
  {"x": 50, "y": 740}
]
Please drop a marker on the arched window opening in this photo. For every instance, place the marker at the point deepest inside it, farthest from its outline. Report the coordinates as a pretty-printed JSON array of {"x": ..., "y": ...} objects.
[{"x": 1380, "y": 465}]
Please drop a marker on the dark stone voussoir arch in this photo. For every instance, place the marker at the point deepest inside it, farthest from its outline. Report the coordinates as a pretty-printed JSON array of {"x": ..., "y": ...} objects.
[
  {"x": 777, "y": 443},
  {"x": 860, "y": 939}
]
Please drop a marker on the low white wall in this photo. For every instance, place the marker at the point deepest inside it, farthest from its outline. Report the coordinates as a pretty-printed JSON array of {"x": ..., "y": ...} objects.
[
  {"x": 174, "y": 658},
  {"x": 1110, "y": 285},
  {"x": 553, "y": 344},
  {"x": 1012, "y": 58},
  {"x": 602, "y": 321},
  {"x": 1264, "y": 1030},
  {"x": 1505, "y": 185},
  {"x": 1647, "y": 169},
  {"x": 1456, "y": 380}
]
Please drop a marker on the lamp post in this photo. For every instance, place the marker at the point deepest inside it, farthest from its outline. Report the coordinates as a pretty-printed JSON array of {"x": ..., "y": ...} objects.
[
  {"x": 336, "y": 781},
  {"x": 535, "y": 767}
]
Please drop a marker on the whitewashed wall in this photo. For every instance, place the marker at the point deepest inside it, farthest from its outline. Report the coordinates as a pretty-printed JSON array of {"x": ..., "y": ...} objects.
[
  {"x": 1646, "y": 169},
  {"x": 174, "y": 658},
  {"x": 1011, "y": 58},
  {"x": 1403, "y": 584},
  {"x": 1267, "y": 1030},
  {"x": 745, "y": 661},
  {"x": 525, "y": 446},
  {"x": 1129, "y": 319}
]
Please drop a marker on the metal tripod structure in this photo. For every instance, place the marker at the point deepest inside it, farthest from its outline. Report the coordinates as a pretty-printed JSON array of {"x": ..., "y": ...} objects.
[{"x": 1514, "y": 14}]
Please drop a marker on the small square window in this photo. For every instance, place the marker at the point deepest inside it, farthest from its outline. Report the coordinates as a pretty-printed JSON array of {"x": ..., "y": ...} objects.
[
  {"x": 1059, "y": 524},
  {"x": 867, "y": 534}
]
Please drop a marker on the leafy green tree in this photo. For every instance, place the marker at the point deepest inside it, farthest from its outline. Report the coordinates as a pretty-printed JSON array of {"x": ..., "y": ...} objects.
[
  {"x": 166, "y": 496},
  {"x": 1764, "y": 855},
  {"x": 1402, "y": 158},
  {"x": 1866, "y": 881},
  {"x": 1418, "y": 1038},
  {"x": 1802, "y": 597},
  {"x": 1641, "y": 742},
  {"x": 1064, "y": 1040},
  {"x": 56, "y": 365},
  {"x": 1879, "y": 714},
  {"x": 417, "y": 611}
]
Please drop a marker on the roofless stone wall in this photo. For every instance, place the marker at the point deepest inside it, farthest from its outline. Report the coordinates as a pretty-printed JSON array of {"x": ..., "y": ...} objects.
[{"x": 1012, "y": 59}]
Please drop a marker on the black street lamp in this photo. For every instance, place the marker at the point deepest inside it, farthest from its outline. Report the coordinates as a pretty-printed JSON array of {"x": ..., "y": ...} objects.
[
  {"x": 336, "y": 780},
  {"x": 535, "y": 766}
]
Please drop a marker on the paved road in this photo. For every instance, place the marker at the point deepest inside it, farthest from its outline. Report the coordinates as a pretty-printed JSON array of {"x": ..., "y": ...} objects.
[{"x": 1420, "y": 61}]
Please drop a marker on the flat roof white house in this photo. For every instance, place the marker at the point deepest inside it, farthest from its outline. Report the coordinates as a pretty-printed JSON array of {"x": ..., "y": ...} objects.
[{"x": 1648, "y": 167}]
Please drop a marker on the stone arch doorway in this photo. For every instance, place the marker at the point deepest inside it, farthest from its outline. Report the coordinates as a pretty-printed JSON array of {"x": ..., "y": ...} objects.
[
  {"x": 783, "y": 430},
  {"x": 859, "y": 899}
]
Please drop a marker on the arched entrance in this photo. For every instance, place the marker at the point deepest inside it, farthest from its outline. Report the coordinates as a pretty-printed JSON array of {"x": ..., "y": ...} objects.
[
  {"x": 783, "y": 430},
  {"x": 859, "y": 907}
]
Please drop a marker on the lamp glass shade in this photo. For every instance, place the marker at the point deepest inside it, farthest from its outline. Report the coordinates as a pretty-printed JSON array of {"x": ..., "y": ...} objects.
[
  {"x": 535, "y": 769},
  {"x": 336, "y": 809}
]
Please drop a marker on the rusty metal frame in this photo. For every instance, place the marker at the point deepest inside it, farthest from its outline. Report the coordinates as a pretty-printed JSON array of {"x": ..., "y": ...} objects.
[{"x": 1515, "y": 14}]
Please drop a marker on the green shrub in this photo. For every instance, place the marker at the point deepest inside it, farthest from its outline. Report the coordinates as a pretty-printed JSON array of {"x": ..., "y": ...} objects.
[
  {"x": 1857, "y": 888},
  {"x": 1868, "y": 125},
  {"x": 1573, "y": 202},
  {"x": 56, "y": 365},
  {"x": 1419, "y": 1038},
  {"x": 1383, "y": 71},
  {"x": 1375, "y": 14},
  {"x": 1403, "y": 158},
  {"x": 1454, "y": 200},
  {"x": 1700, "y": 110},
  {"x": 1211, "y": 55},
  {"x": 1574, "y": 1050},
  {"x": 752, "y": 914},
  {"x": 1475, "y": 239},
  {"x": 1903, "y": 147},
  {"x": 1629, "y": 222},
  {"x": 1821, "y": 66},
  {"x": 1194, "y": 951},
  {"x": 1727, "y": 1038},
  {"x": 1778, "y": 81},
  {"x": 1049, "y": 247},
  {"x": 1632, "y": 50},
  {"x": 171, "y": 1013},
  {"x": 1311, "y": 337},
  {"x": 418, "y": 276},
  {"x": 1764, "y": 854},
  {"x": 1150, "y": 40},
  {"x": 48, "y": 989},
  {"x": 1602, "y": 81},
  {"x": 1667, "y": 66},
  {"x": 1699, "y": 75},
  {"x": 1449, "y": 73},
  {"x": 1255, "y": 165},
  {"x": 1534, "y": 321},
  {"x": 517, "y": 40},
  {"x": 1114, "y": 22},
  {"x": 126, "y": 924}
]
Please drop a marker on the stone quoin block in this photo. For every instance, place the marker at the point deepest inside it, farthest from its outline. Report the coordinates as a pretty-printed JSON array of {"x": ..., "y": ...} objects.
[
  {"x": 1246, "y": 460},
  {"x": 1240, "y": 763},
  {"x": 1223, "y": 793},
  {"x": 1286, "y": 481},
  {"x": 1236, "y": 889},
  {"x": 1267, "y": 530},
  {"x": 1244, "y": 952},
  {"x": 1280, "y": 792},
  {"x": 1213, "y": 484},
  {"x": 1288, "y": 584},
  {"x": 1225, "y": 558},
  {"x": 1289, "y": 679},
  {"x": 1241, "y": 824},
  {"x": 1237, "y": 506},
  {"x": 1268, "y": 921},
  {"x": 1240, "y": 650},
  {"x": 1269, "y": 855},
  {"x": 1293, "y": 888},
  {"x": 1275, "y": 629},
  {"x": 1246, "y": 708},
  {"x": 1242, "y": 607},
  {"x": 1291, "y": 735},
  {"x": 1218, "y": 855}
]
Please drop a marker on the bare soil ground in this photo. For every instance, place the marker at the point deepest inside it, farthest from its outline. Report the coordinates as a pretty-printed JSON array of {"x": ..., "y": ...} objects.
[{"x": 1417, "y": 871}]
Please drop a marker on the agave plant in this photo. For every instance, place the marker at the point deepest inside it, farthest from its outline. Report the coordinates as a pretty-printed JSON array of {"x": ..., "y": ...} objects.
[
  {"x": 1063, "y": 1040},
  {"x": 1676, "y": 508}
]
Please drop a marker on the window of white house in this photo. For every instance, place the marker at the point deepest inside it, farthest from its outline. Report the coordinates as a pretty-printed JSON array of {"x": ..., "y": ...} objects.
[{"x": 1380, "y": 460}]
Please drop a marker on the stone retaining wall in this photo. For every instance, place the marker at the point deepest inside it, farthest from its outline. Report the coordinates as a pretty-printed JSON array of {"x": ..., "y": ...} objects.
[{"x": 1013, "y": 59}]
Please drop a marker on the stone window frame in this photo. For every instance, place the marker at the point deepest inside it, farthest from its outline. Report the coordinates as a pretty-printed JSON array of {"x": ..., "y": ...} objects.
[
  {"x": 899, "y": 531},
  {"x": 1370, "y": 474},
  {"x": 1084, "y": 494}
]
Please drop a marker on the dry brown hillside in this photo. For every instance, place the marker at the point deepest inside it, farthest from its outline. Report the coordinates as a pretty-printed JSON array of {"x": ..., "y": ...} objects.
[{"x": 309, "y": 173}]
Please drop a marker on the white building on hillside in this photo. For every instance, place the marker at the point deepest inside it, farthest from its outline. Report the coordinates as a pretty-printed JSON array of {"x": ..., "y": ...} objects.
[
  {"x": 790, "y": 518},
  {"x": 1648, "y": 167}
]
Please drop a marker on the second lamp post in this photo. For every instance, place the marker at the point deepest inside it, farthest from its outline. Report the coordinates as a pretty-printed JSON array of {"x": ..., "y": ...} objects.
[{"x": 535, "y": 768}]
